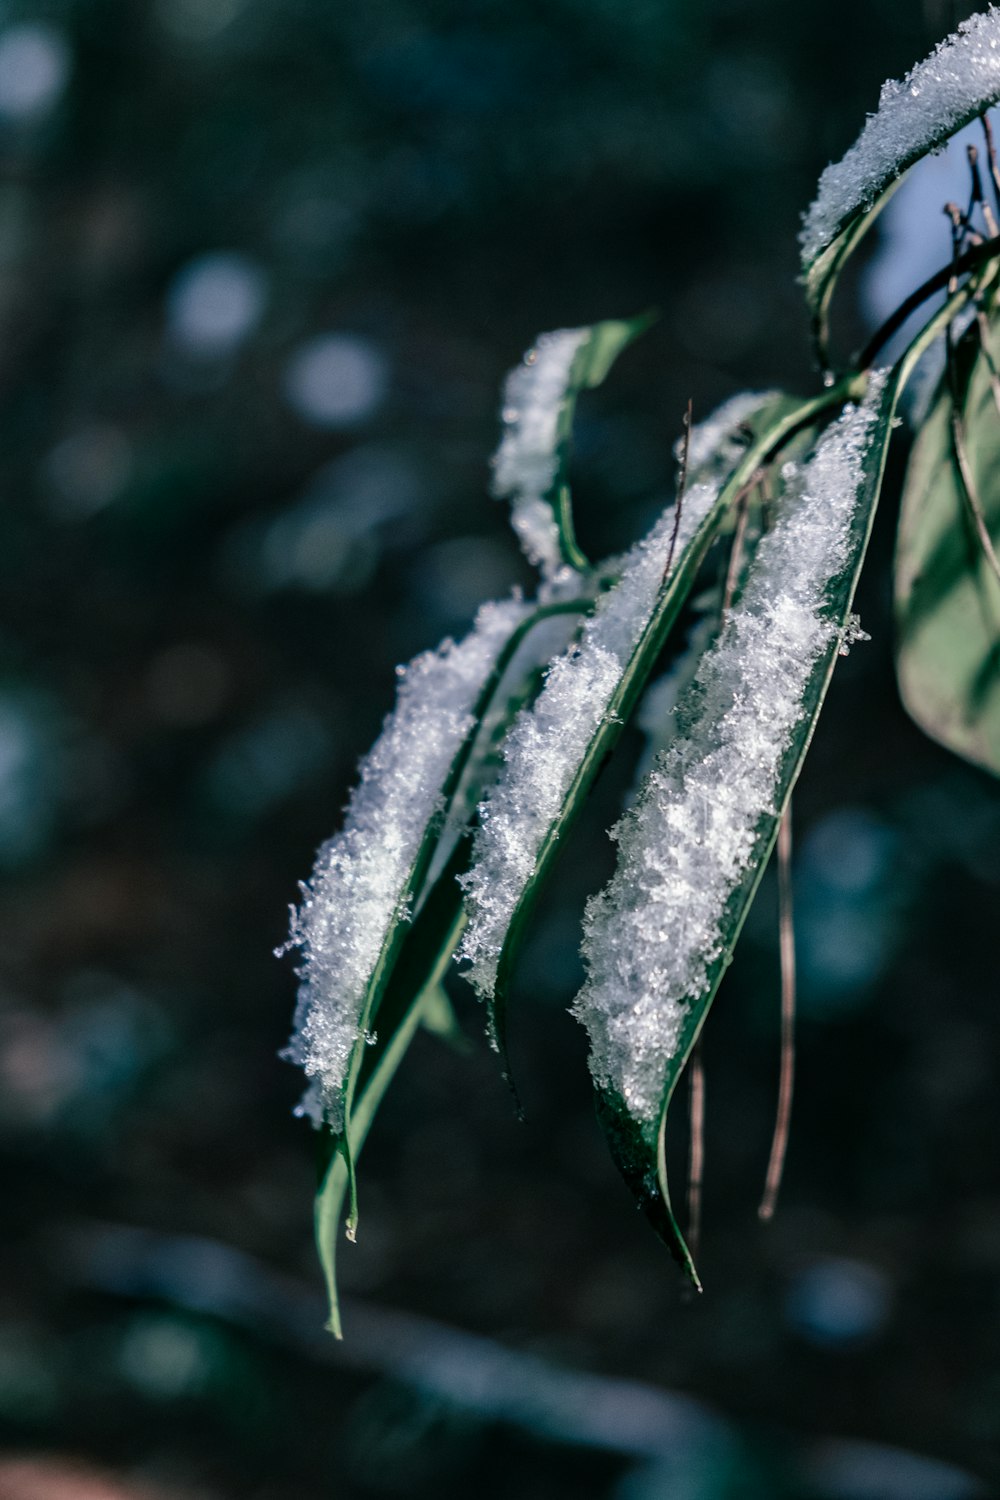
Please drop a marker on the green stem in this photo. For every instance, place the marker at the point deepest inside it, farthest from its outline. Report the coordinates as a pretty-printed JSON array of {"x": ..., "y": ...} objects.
[{"x": 971, "y": 260}]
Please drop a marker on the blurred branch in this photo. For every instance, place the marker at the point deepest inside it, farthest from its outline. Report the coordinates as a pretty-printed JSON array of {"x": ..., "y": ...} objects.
[{"x": 465, "y": 1370}]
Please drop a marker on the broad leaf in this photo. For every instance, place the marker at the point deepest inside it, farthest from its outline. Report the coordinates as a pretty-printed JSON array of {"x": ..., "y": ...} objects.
[{"x": 947, "y": 594}]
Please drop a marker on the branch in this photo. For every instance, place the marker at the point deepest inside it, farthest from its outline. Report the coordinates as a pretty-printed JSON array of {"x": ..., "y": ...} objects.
[{"x": 971, "y": 260}]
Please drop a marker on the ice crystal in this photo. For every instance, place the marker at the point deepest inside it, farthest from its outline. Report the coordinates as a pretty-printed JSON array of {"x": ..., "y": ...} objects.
[
  {"x": 653, "y": 934},
  {"x": 361, "y": 880},
  {"x": 547, "y": 742},
  {"x": 527, "y": 461},
  {"x": 960, "y": 79}
]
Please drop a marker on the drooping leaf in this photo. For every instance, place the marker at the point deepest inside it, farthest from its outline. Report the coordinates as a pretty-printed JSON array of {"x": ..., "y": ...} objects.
[
  {"x": 430, "y": 1004},
  {"x": 511, "y": 679},
  {"x": 947, "y": 595},
  {"x": 530, "y": 467},
  {"x": 405, "y": 990},
  {"x": 959, "y": 81},
  {"x": 414, "y": 996},
  {"x": 398, "y": 988},
  {"x": 699, "y": 839}
]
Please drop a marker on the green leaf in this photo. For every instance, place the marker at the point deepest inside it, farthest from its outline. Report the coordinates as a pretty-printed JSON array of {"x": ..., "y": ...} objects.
[
  {"x": 430, "y": 1004},
  {"x": 439, "y": 1018},
  {"x": 947, "y": 596},
  {"x": 405, "y": 989},
  {"x": 414, "y": 997},
  {"x": 940, "y": 96},
  {"x": 469, "y": 772},
  {"x": 638, "y": 1147},
  {"x": 603, "y": 343},
  {"x": 476, "y": 760}
]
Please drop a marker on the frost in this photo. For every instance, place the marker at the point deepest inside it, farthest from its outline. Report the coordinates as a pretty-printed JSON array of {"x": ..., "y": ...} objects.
[
  {"x": 653, "y": 934},
  {"x": 361, "y": 879},
  {"x": 851, "y": 634},
  {"x": 527, "y": 461},
  {"x": 959, "y": 80},
  {"x": 547, "y": 742}
]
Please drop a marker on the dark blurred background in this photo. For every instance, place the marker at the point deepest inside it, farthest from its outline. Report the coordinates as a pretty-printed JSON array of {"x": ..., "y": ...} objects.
[{"x": 263, "y": 264}]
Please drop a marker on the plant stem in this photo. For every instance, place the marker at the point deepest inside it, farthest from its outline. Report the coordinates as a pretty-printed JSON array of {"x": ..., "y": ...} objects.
[
  {"x": 786, "y": 1084},
  {"x": 971, "y": 260}
]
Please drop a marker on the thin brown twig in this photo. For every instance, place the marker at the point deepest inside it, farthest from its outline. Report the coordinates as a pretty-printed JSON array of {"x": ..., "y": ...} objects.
[
  {"x": 696, "y": 1157},
  {"x": 977, "y": 196},
  {"x": 681, "y": 487},
  {"x": 957, "y": 220},
  {"x": 737, "y": 549},
  {"x": 786, "y": 1083}
]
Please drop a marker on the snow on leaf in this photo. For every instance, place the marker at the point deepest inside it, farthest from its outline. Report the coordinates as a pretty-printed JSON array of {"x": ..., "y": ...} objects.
[
  {"x": 361, "y": 884},
  {"x": 654, "y": 934},
  {"x": 539, "y": 400},
  {"x": 959, "y": 80}
]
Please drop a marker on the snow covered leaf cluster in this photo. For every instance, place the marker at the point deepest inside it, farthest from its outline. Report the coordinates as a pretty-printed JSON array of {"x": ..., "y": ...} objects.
[{"x": 496, "y": 740}]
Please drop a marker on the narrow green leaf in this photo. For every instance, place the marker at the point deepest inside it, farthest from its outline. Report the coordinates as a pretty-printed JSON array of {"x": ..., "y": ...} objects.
[
  {"x": 605, "y": 343},
  {"x": 637, "y": 1139},
  {"x": 439, "y": 1018},
  {"x": 414, "y": 996},
  {"x": 405, "y": 990},
  {"x": 947, "y": 596},
  {"x": 939, "y": 96},
  {"x": 531, "y": 465},
  {"x": 470, "y": 769},
  {"x": 636, "y": 1127},
  {"x": 431, "y": 1003}
]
